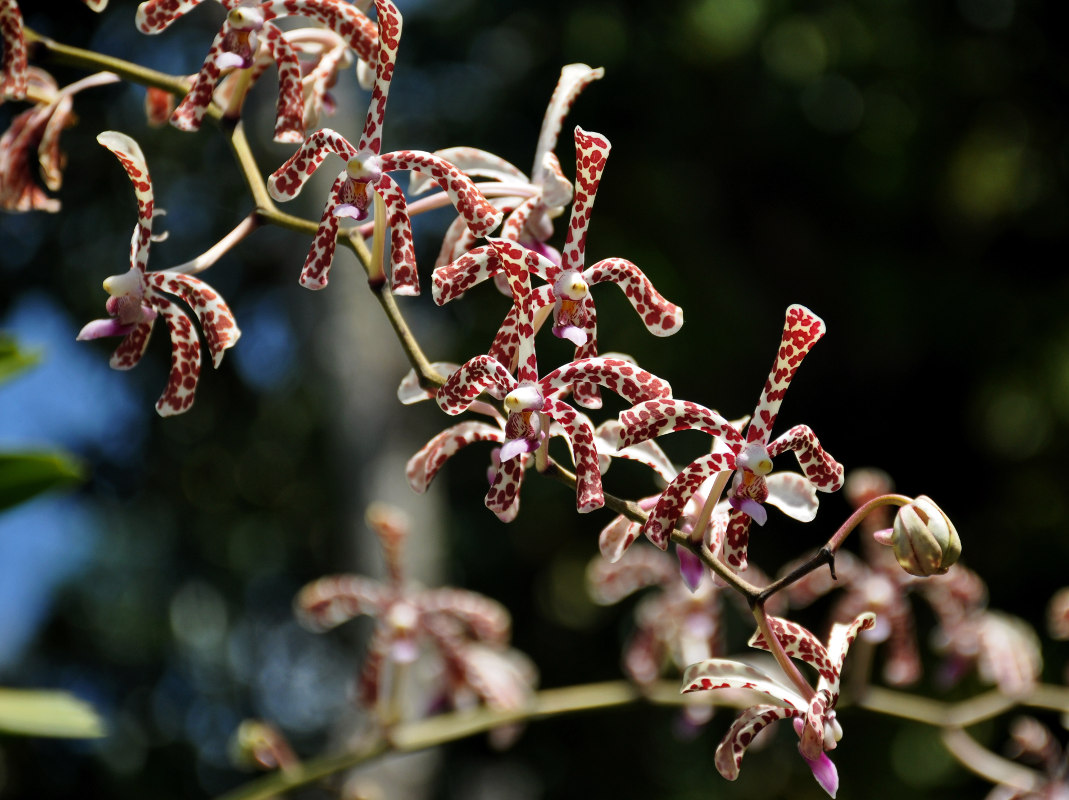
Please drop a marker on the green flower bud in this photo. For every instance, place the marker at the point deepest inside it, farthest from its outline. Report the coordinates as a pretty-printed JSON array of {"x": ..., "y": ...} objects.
[{"x": 924, "y": 539}]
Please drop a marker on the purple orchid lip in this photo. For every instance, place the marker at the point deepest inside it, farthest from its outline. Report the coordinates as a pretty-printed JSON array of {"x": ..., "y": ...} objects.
[
  {"x": 101, "y": 328},
  {"x": 227, "y": 60},
  {"x": 349, "y": 210}
]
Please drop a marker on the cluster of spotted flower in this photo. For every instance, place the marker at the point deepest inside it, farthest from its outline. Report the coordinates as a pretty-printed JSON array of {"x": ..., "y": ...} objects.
[{"x": 707, "y": 508}]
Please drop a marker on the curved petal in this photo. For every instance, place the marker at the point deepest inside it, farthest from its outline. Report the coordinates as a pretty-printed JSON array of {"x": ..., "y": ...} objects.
[
  {"x": 722, "y": 673},
  {"x": 480, "y": 374},
  {"x": 289, "y": 109},
  {"x": 589, "y": 493},
  {"x": 747, "y": 725},
  {"x": 660, "y": 317},
  {"x": 801, "y": 330},
  {"x": 345, "y": 19},
  {"x": 623, "y": 377},
  {"x": 481, "y": 215},
  {"x": 328, "y": 602},
  {"x": 737, "y": 539},
  {"x": 424, "y": 465},
  {"x": 216, "y": 319},
  {"x": 190, "y": 112},
  {"x": 452, "y": 280},
  {"x": 486, "y": 619},
  {"x": 673, "y": 500},
  {"x": 823, "y": 471},
  {"x": 473, "y": 162},
  {"x": 793, "y": 495},
  {"x": 185, "y": 359},
  {"x": 316, "y": 270},
  {"x": 503, "y": 496},
  {"x": 287, "y": 181},
  {"x": 404, "y": 278},
  {"x": 656, "y": 417},
  {"x": 798, "y": 642},
  {"x": 615, "y": 538},
  {"x": 607, "y": 437},
  {"x": 573, "y": 79},
  {"x": 384, "y": 58},
  {"x": 154, "y": 16},
  {"x": 133, "y": 161},
  {"x": 839, "y": 641},
  {"x": 131, "y": 348},
  {"x": 591, "y": 152}
]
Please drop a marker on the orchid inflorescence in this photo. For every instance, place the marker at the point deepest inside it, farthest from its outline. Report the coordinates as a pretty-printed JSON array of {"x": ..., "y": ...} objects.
[{"x": 705, "y": 508}]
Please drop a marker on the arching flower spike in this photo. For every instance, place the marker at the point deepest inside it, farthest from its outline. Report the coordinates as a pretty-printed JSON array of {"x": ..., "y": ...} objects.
[
  {"x": 138, "y": 297},
  {"x": 750, "y": 456},
  {"x": 814, "y": 717},
  {"x": 248, "y": 26},
  {"x": 530, "y": 203}
]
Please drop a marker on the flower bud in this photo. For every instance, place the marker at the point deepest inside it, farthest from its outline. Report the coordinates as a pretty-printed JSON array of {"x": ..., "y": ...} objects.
[{"x": 923, "y": 538}]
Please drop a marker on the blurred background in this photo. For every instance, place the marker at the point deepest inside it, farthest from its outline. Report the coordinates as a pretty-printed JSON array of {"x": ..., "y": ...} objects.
[{"x": 898, "y": 166}]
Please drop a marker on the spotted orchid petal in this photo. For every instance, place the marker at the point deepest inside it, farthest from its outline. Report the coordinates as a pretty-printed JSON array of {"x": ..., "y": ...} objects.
[
  {"x": 480, "y": 374},
  {"x": 673, "y": 501},
  {"x": 14, "y": 82},
  {"x": 591, "y": 151},
  {"x": 801, "y": 330},
  {"x": 343, "y": 18},
  {"x": 632, "y": 383},
  {"x": 424, "y": 465},
  {"x": 482, "y": 217},
  {"x": 216, "y": 319},
  {"x": 385, "y": 56},
  {"x": 289, "y": 108},
  {"x": 335, "y": 599},
  {"x": 656, "y": 417},
  {"x": 128, "y": 354},
  {"x": 588, "y": 489},
  {"x": 459, "y": 239},
  {"x": 798, "y": 642},
  {"x": 189, "y": 114},
  {"x": 154, "y": 16},
  {"x": 821, "y": 470},
  {"x": 474, "y": 163},
  {"x": 287, "y": 181},
  {"x": 722, "y": 673},
  {"x": 839, "y": 641},
  {"x": 573, "y": 79},
  {"x": 185, "y": 359},
  {"x": 133, "y": 161},
  {"x": 660, "y": 317},
  {"x": 450, "y": 281}
]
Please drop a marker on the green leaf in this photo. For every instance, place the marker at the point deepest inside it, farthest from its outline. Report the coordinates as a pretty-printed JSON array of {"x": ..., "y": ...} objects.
[
  {"x": 48, "y": 713},
  {"x": 12, "y": 359},
  {"x": 24, "y": 475}
]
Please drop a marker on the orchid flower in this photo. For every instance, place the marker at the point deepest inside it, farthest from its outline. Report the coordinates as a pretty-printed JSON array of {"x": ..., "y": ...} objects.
[
  {"x": 248, "y": 25},
  {"x": 322, "y": 54},
  {"x": 1046, "y": 776},
  {"x": 531, "y": 203},
  {"x": 531, "y": 402},
  {"x": 35, "y": 133},
  {"x": 138, "y": 297},
  {"x": 814, "y": 716},
  {"x": 675, "y": 625},
  {"x": 469, "y": 631},
  {"x": 750, "y": 457},
  {"x": 568, "y": 283},
  {"x": 422, "y": 467}
]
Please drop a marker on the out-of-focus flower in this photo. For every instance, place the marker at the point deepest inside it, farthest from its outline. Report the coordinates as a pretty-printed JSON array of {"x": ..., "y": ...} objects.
[
  {"x": 248, "y": 27},
  {"x": 34, "y": 136},
  {"x": 814, "y": 716},
  {"x": 568, "y": 283},
  {"x": 138, "y": 297},
  {"x": 923, "y": 538},
  {"x": 673, "y": 626},
  {"x": 159, "y": 104},
  {"x": 530, "y": 203},
  {"x": 749, "y": 456},
  {"x": 468, "y": 632},
  {"x": 1043, "y": 769}
]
